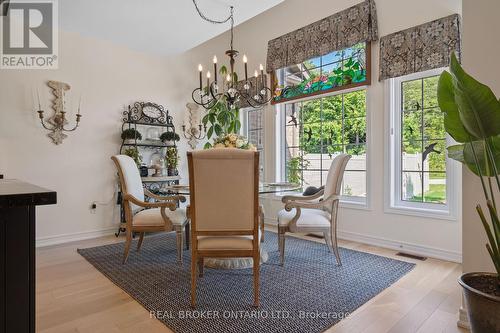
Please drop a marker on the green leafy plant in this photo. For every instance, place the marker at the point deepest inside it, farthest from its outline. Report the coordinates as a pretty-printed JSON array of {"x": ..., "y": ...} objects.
[
  {"x": 134, "y": 153},
  {"x": 172, "y": 158},
  {"x": 294, "y": 166},
  {"x": 169, "y": 136},
  {"x": 131, "y": 133},
  {"x": 220, "y": 120},
  {"x": 472, "y": 118}
]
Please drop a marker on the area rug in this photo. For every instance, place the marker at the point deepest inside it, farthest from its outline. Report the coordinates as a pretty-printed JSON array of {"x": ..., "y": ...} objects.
[{"x": 309, "y": 294}]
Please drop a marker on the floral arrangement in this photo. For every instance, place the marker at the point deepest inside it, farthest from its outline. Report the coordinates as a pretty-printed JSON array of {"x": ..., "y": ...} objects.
[{"x": 233, "y": 141}]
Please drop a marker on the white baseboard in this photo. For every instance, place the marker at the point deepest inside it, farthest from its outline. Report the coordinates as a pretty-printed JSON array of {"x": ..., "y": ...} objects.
[
  {"x": 410, "y": 248},
  {"x": 66, "y": 238}
]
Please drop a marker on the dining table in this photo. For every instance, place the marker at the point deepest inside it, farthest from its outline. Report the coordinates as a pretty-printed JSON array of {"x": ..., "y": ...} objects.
[{"x": 238, "y": 263}]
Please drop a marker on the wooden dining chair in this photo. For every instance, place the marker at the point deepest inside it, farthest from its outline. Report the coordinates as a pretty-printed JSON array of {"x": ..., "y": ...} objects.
[
  {"x": 224, "y": 209},
  {"x": 142, "y": 216},
  {"x": 314, "y": 213}
]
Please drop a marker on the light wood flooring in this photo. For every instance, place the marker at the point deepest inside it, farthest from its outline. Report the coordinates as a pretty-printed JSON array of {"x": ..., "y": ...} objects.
[{"x": 72, "y": 296}]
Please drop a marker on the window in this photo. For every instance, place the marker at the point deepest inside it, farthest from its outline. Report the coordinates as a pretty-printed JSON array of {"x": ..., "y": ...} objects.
[
  {"x": 316, "y": 130},
  {"x": 420, "y": 170},
  {"x": 334, "y": 71},
  {"x": 253, "y": 126}
]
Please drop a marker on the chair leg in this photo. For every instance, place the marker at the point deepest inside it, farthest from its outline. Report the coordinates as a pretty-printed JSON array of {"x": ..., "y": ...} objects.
[
  {"x": 328, "y": 240},
  {"x": 139, "y": 243},
  {"x": 281, "y": 244},
  {"x": 193, "y": 280},
  {"x": 334, "y": 235},
  {"x": 336, "y": 249},
  {"x": 201, "y": 262},
  {"x": 256, "y": 273},
  {"x": 187, "y": 234},
  {"x": 179, "y": 236},
  {"x": 261, "y": 217},
  {"x": 127, "y": 246}
]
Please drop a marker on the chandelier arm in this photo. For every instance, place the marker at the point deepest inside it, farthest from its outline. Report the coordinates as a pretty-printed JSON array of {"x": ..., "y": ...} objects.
[
  {"x": 196, "y": 91},
  {"x": 46, "y": 127},
  {"x": 70, "y": 130}
]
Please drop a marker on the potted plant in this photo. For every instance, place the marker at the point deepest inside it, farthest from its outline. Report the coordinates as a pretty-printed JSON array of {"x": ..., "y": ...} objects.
[
  {"x": 472, "y": 118},
  {"x": 169, "y": 138},
  {"x": 130, "y": 135},
  {"x": 134, "y": 153},
  {"x": 172, "y": 158},
  {"x": 293, "y": 168}
]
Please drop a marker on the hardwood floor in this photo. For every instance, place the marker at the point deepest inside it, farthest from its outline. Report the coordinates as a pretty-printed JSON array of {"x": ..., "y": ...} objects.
[{"x": 72, "y": 296}]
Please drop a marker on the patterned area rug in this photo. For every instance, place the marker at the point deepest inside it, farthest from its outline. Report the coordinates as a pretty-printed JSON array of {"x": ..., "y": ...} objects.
[{"x": 309, "y": 294}]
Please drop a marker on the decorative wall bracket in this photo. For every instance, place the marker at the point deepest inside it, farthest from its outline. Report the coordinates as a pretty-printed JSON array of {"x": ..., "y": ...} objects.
[
  {"x": 56, "y": 123},
  {"x": 194, "y": 131}
]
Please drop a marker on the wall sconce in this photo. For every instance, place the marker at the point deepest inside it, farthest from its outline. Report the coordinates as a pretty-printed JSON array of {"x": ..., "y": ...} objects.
[
  {"x": 194, "y": 131},
  {"x": 56, "y": 123}
]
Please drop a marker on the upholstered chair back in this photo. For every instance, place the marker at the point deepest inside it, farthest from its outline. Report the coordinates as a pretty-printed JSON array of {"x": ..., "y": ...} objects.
[
  {"x": 224, "y": 188},
  {"x": 130, "y": 178},
  {"x": 335, "y": 175}
]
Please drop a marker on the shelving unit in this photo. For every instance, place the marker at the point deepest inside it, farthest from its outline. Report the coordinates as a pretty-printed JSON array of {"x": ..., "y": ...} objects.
[{"x": 135, "y": 118}]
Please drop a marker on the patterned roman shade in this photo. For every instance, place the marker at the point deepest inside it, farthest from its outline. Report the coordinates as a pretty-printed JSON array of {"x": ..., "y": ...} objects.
[
  {"x": 344, "y": 29},
  {"x": 426, "y": 46}
]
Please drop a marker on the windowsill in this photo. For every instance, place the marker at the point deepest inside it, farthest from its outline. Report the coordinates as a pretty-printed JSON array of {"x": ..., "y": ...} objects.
[
  {"x": 421, "y": 212},
  {"x": 348, "y": 204}
]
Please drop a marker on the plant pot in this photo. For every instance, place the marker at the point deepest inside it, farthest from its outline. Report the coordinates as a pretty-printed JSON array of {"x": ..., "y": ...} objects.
[
  {"x": 129, "y": 141},
  {"x": 169, "y": 143},
  {"x": 172, "y": 172},
  {"x": 483, "y": 308}
]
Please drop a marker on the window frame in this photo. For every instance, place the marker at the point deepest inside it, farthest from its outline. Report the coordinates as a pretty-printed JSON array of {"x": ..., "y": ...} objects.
[
  {"x": 394, "y": 202},
  {"x": 244, "y": 130},
  {"x": 354, "y": 202},
  {"x": 350, "y": 86}
]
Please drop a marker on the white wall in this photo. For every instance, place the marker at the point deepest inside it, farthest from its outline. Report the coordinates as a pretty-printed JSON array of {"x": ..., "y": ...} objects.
[
  {"x": 110, "y": 77},
  {"x": 80, "y": 170},
  {"x": 480, "y": 59},
  {"x": 429, "y": 236}
]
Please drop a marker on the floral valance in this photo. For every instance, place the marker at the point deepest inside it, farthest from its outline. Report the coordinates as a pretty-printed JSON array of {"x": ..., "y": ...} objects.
[
  {"x": 424, "y": 47},
  {"x": 344, "y": 29}
]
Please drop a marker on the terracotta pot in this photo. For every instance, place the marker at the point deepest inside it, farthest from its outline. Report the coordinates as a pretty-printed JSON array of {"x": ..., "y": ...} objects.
[{"x": 483, "y": 309}]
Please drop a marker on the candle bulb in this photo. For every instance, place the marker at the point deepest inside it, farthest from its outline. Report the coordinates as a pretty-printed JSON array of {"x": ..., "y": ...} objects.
[
  {"x": 79, "y": 105},
  {"x": 256, "y": 74},
  {"x": 262, "y": 74},
  {"x": 208, "y": 81},
  {"x": 200, "y": 68},
  {"x": 215, "y": 68},
  {"x": 38, "y": 96},
  {"x": 246, "y": 69}
]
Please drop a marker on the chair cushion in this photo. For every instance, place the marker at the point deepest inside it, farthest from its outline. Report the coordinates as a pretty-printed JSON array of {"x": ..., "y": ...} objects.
[
  {"x": 309, "y": 218},
  {"x": 152, "y": 217},
  {"x": 226, "y": 242}
]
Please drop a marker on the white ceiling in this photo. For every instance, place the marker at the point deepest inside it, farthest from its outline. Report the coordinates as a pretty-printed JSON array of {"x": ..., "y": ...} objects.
[{"x": 154, "y": 26}]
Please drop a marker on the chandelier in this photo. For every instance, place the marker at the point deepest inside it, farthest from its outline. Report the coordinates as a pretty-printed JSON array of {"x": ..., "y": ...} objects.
[{"x": 252, "y": 91}]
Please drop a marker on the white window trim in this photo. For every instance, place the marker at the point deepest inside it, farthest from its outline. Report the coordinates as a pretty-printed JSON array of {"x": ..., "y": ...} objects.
[
  {"x": 244, "y": 131},
  {"x": 393, "y": 202},
  {"x": 350, "y": 202}
]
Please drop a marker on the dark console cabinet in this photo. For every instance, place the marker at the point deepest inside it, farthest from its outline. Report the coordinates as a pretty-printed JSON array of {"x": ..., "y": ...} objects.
[{"x": 17, "y": 253}]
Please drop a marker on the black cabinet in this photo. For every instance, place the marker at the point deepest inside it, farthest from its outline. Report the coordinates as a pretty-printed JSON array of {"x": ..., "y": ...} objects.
[{"x": 17, "y": 253}]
